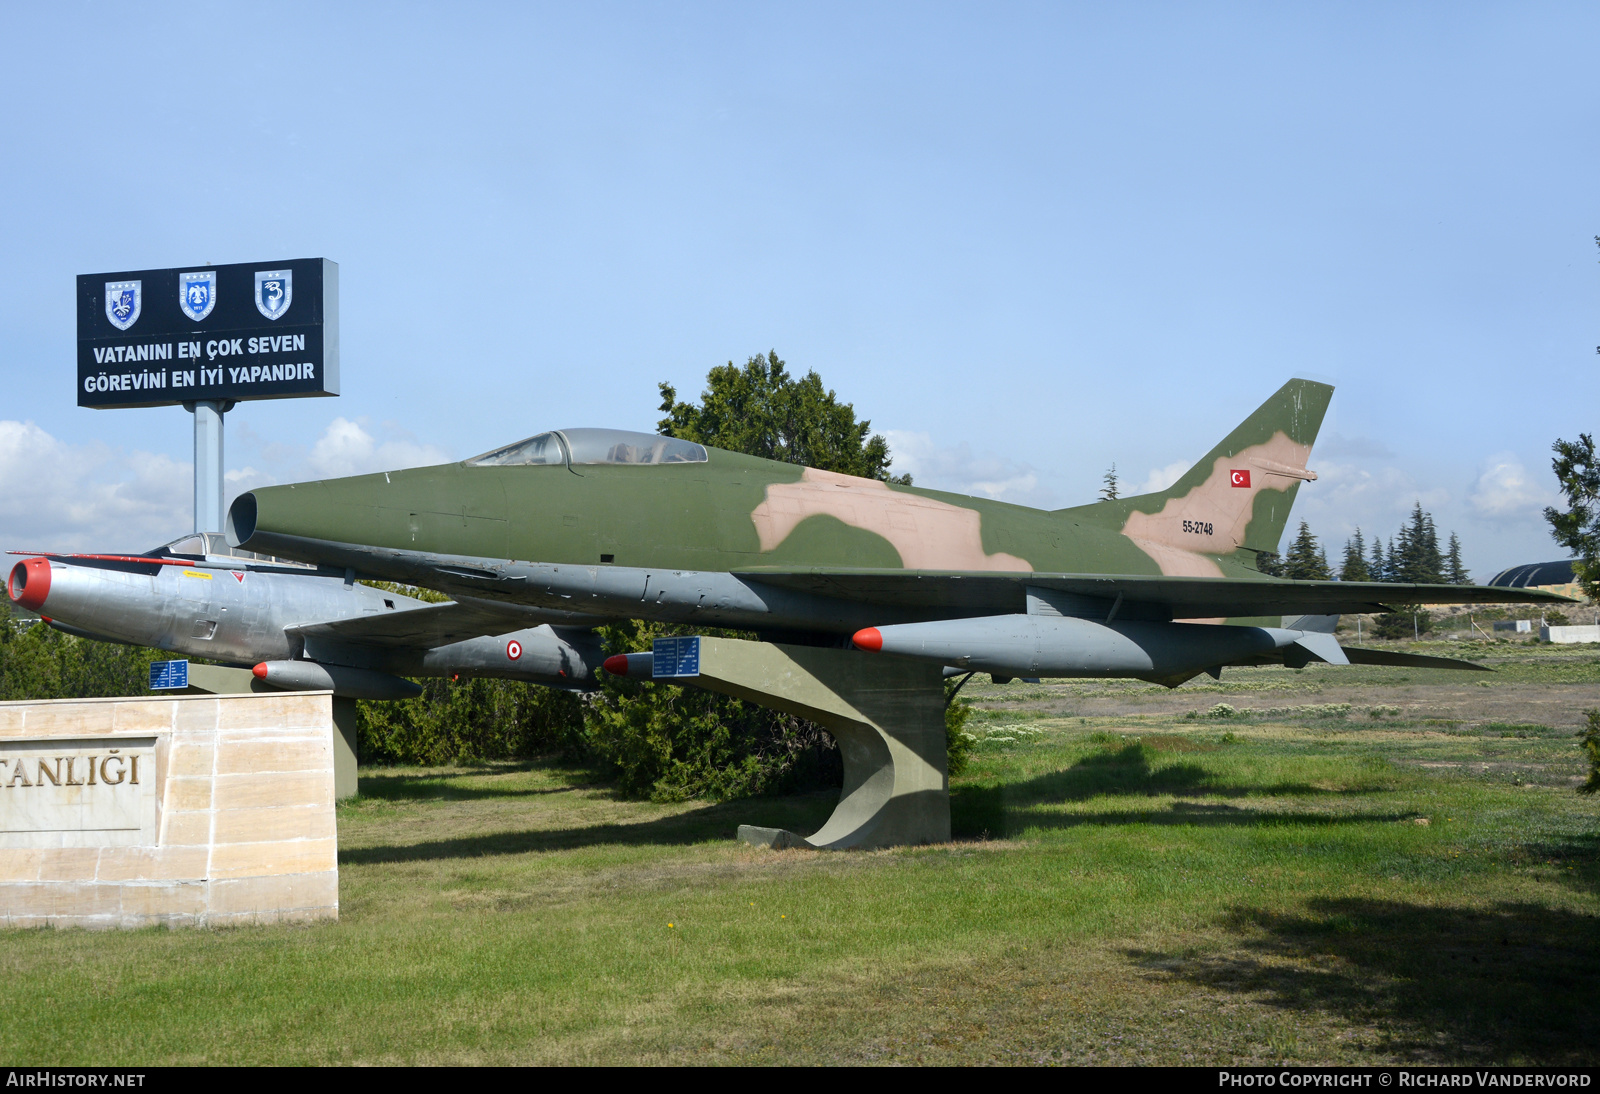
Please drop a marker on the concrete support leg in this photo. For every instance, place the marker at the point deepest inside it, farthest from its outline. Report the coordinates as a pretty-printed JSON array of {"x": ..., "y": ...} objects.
[
  {"x": 887, "y": 713},
  {"x": 344, "y": 748}
]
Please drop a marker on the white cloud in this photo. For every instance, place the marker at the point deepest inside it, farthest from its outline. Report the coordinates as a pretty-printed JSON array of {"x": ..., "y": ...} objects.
[
  {"x": 956, "y": 469},
  {"x": 1160, "y": 478},
  {"x": 347, "y": 448},
  {"x": 92, "y": 497},
  {"x": 1505, "y": 491},
  {"x": 59, "y": 496}
]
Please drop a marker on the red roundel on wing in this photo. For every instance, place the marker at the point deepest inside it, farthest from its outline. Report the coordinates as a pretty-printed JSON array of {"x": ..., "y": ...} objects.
[{"x": 513, "y": 649}]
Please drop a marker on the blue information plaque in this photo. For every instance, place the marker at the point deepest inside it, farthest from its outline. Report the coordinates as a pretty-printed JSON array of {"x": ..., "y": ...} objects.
[
  {"x": 169, "y": 675},
  {"x": 676, "y": 658}
]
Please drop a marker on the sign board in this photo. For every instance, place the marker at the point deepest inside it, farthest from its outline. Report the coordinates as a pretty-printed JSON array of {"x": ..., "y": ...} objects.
[
  {"x": 169, "y": 675},
  {"x": 85, "y": 792},
  {"x": 675, "y": 657},
  {"x": 251, "y": 330}
]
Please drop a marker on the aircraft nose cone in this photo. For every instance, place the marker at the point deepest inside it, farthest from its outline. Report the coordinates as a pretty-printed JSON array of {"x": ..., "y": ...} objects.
[
  {"x": 616, "y": 665},
  {"x": 868, "y": 639},
  {"x": 30, "y": 583}
]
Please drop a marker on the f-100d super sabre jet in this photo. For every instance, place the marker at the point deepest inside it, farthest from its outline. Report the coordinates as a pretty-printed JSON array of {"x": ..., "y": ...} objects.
[
  {"x": 299, "y": 627},
  {"x": 605, "y": 524}
]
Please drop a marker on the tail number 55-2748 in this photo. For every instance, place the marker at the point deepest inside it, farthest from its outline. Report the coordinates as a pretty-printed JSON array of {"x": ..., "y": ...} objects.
[{"x": 1198, "y": 527}]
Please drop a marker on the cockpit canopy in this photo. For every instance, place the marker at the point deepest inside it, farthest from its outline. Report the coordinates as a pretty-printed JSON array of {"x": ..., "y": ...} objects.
[
  {"x": 591, "y": 446},
  {"x": 203, "y": 545}
]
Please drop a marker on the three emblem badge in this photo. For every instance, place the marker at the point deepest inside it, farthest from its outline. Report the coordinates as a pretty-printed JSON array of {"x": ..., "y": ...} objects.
[
  {"x": 197, "y": 296},
  {"x": 274, "y": 292},
  {"x": 123, "y": 303},
  {"x": 197, "y": 293}
]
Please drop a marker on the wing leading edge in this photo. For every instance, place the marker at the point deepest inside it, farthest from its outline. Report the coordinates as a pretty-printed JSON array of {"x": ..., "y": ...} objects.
[{"x": 1178, "y": 597}]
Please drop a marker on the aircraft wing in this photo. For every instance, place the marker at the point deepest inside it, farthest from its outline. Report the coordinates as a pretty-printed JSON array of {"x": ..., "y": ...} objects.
[
  {"x": 1184, "y": 597},
  {"x": 425, "y": 628}
]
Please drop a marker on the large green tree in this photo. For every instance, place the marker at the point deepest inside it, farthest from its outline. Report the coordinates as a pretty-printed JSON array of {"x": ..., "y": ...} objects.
[
  {"x": 760, "y": 410},
  {"x": 1578, "y": 528}
]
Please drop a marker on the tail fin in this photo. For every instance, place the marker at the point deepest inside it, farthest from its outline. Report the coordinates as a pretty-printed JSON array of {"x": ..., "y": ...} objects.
[{"x": 1238, "y": 495}]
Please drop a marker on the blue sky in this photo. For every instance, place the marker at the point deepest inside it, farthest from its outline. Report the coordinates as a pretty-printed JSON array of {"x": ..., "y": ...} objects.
[{"x": 1025, "y": 240}]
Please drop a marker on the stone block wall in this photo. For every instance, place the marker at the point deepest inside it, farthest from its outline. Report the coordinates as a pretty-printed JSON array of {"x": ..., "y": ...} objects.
[{"x": 199, "y": 810}]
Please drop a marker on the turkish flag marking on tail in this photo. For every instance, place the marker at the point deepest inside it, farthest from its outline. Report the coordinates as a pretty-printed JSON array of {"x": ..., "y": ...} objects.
[{"x": 1240, "y": 478}]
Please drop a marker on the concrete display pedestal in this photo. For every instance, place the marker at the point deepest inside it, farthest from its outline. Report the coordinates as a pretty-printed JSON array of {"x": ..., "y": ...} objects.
[
  {"x": 887, "y": 713},
  {"x": 219, "y": 680},
  {"x": 197, "y": 810}
]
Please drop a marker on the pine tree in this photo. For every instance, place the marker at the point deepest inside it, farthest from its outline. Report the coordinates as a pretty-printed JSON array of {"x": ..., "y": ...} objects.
[
  {"x": 1109, "y": 492},
  {"x": 1402, "y": 554},
  {"x": 1430, "y": 563},
  {"x": 1306, "y": 561},
  {"x": 1454, "y": 572},
  {"x": 1379, "y": 570},
  {"x": 1355, "y": 562},
  {"x": 1416, "y": 557}
]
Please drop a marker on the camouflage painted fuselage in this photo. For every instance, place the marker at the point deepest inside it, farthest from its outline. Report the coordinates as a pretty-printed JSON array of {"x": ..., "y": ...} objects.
[
  {"x": 721, "y": 539},
  {"x": 731, "y": 513},
  {"x": 736, "y": 513}
]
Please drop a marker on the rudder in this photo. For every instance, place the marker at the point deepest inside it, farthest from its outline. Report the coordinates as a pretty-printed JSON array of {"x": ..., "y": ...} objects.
[{"x": 1238, "y": 495}]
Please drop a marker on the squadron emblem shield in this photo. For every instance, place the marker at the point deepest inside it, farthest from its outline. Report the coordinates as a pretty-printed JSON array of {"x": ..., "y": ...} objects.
[
  {"x": 274, "y": 292},
  {"x": 197, "y": 293},
  {"x": 123, "y": 302}
]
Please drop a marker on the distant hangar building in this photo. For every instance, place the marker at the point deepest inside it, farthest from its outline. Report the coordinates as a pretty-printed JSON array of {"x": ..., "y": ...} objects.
[{"x": 1555, "y": 577}]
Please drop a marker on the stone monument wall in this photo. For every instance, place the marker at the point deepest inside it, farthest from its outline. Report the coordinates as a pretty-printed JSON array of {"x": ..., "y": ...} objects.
[{"x": 194, "y": 810}]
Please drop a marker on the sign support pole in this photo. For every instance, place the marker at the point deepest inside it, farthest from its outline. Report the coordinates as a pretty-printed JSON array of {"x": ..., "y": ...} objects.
[{"x": 208, "y": 462}]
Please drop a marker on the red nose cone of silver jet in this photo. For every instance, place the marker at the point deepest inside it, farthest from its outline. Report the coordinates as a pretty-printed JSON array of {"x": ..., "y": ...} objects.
[
  {"x": 30, "y": 583},
  {"x": 868, "y": 639},
  {"x": 617, "y": 665},
  {"x": 260, "y": 671}
]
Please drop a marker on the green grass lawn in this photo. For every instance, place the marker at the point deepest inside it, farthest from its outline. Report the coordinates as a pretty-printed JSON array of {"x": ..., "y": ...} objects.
[{"x": 1130, "y": 889}]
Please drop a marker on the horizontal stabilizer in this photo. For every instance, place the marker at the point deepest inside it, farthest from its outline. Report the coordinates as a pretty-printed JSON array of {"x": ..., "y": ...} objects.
[
  {"x": 1394, "y": 659},
  {"x": 1324, "y": 647}
]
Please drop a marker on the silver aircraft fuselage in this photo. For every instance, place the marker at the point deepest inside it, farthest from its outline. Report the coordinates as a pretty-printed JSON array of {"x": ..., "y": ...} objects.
[{"x": 248, "y": 612}]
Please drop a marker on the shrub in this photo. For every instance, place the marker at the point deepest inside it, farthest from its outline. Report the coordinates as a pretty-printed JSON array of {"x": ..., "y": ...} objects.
[
  {"x": 39, "y": 662},
  {"x": 468, "y": 721},
  {"x": 673, "y": 743},
  {"x": 1589, "y": 736}
]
